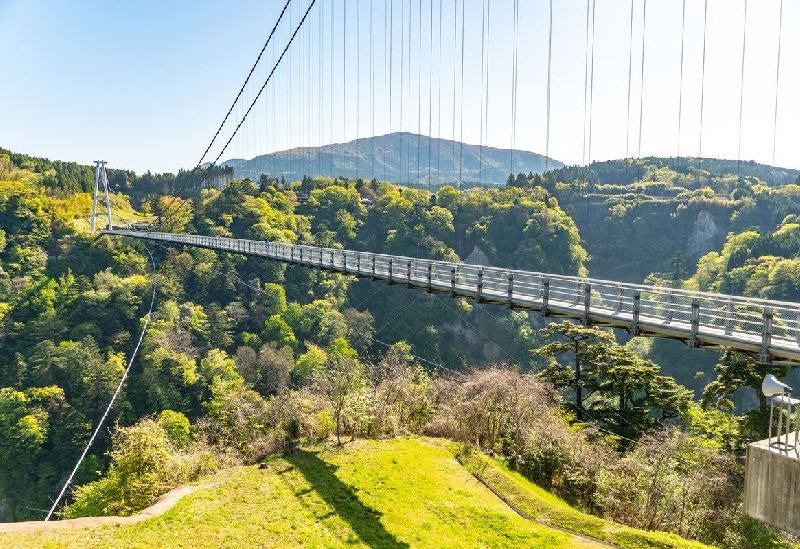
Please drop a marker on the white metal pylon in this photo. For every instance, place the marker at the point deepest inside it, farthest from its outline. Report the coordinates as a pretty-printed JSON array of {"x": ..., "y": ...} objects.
[{"x": 100, "y": 175}]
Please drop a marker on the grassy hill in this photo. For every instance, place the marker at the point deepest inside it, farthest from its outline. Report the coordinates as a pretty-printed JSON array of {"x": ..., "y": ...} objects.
[{"x": 399, "y": 493}]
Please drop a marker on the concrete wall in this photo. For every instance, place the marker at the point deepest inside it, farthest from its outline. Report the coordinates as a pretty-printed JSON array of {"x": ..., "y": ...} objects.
[{"x": 772, "y": 486}]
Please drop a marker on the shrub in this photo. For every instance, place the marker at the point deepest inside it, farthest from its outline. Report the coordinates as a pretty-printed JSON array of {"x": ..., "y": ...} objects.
[
  {"x": 176, "y": 426},
  {"x": 144, "y": 465}
]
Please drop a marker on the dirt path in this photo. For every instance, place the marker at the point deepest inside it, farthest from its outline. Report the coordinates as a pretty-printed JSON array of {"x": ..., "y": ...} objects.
[{"x": 161, "y": 506}]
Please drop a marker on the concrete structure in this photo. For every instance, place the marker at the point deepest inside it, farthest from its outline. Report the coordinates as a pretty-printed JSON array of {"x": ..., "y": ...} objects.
[{"x": 772, "y": 485}]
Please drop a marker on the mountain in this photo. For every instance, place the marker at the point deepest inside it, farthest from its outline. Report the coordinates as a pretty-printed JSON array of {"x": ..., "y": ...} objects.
[{"x": 402, "y": 157}]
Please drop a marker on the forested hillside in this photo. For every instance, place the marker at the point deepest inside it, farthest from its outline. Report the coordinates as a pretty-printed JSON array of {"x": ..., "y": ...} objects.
[
  {"x": 662, "y": 215},
  {"x": 243, "y": 357},
  {"x": 400, "y": 157}
]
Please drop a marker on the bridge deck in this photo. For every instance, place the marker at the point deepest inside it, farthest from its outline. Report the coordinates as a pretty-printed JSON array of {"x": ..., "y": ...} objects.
[{"x": 768, "y": 329}]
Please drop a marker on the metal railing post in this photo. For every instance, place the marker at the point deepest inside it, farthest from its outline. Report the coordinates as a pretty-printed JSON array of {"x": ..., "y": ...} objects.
[
  {"x": 695, "y": 323},
  {"x": 797, "y": 328},
  {"x": 430, "y": 275},
  {"x": 766, "y": 336},
  {"x": 545, "y": 296},
  {"x": 510, "y": 293},
  {"x": 670, "y": 305},
  {"x": 637, "y": 301},
  {"x": 587, "y": 302},
  {"x": 729, "y": 318}
]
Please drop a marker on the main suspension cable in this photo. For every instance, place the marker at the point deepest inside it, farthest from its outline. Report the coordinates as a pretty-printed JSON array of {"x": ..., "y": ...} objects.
[
  {"x": 260, "y": 91},
  {"x": 238, "y": 95}
]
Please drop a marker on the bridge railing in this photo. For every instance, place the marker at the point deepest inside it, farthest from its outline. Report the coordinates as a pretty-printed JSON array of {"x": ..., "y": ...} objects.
[{"x": 763, "y": 327}]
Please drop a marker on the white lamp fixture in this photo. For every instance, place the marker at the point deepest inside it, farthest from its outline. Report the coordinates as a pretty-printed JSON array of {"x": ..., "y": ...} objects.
[{"x": 779, "y": 393}]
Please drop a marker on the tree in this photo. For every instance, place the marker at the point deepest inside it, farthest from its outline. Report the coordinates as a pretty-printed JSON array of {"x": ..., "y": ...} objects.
[
  {"x": 309, "y": 364},
  {"x": 266, "y": 371},
  {"x": 736, "y": 370},
  {"x": 583, "y": 344},
  {"x": 625, "y": 389},
  {"x": 342, "y": 378},
  {"x": 174, "y": 213},
  {"x": 621, "y": 389},
  {"x": 24, "y": 430}
]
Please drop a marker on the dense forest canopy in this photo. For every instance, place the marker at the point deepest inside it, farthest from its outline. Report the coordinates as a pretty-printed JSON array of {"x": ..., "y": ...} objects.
[{"x": 248, "y": 354}]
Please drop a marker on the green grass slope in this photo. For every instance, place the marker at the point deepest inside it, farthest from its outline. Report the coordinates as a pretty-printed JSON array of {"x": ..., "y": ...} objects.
[
  {"x": 541, "y": 505},
  {"x": 400, "y": 493}
]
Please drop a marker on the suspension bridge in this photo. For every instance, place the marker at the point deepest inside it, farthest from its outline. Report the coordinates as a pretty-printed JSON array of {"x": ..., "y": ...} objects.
[
  {"x": 769, "y": 330},
  {"x": 431, "y": 35}
]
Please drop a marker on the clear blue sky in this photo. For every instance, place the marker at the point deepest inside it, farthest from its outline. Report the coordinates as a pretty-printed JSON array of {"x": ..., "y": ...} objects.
[{"x": 144, "y": 85}]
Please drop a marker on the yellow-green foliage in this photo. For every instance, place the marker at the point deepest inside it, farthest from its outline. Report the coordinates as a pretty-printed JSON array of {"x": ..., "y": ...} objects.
[{"x": 145, "y": 464}]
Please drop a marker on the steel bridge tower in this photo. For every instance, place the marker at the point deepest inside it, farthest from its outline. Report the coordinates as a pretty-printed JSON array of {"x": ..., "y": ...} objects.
[{"x": 100, "y": 175}]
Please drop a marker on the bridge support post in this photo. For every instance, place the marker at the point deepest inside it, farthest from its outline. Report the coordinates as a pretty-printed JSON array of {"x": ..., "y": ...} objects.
[
  {"x": 452, "y": 281},
  {"x": 479, "y": 290},
  {"x": 695, "y": 324},
  {"x": 389, "y": 280},
  {"x": 510, "y": 301},
  {"x": 587, "y": 302},
  {"x": 358, "y": 264},
  {"x": 729, "y": 318},
  {"x": 344, "y": 262},
  {"x": 430, "y": 275},
  {"x": 797, "y": 328},
  {"x": 301, "y": 256},
  {"x": 670, "y": 306},
  {"x": 637, "y": 302},
  {"x": 766, "y": 336},
  {"x": 373, "y": 266},
  {"x": 408, "y": 275},
  {"x": 545, "y": 296}
]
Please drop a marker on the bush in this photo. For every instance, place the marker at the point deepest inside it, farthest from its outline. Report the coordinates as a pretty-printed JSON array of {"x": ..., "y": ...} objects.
[
  {"x": 176, "y": 425},
  {"x": 145, "y": 465}
]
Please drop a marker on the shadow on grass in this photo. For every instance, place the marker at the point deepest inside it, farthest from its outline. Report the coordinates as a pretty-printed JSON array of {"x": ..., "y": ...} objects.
[{"x": 364, "y": 521}]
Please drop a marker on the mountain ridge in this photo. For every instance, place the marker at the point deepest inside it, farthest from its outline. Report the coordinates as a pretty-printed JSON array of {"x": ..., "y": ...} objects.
[{"x": 399, "y": 157}]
